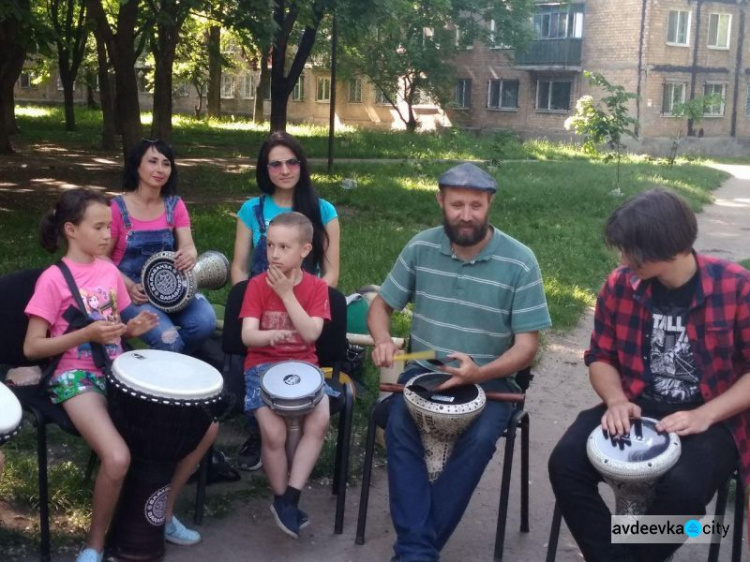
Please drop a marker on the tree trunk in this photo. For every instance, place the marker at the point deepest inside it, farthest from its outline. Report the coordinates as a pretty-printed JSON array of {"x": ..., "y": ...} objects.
[
  {"x": 11, "y": 64},
  {"x": 106, "y": 95},
  {"x": 262, "y": 88},
  {"x": 213, "y": 98},
  {"x": 164, "y": 54},
  {"x": 67, "y": 82}
]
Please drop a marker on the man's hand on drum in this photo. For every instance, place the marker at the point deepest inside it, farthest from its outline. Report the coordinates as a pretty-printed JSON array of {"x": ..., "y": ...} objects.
[
  {"x": 104, "y": 331},
  {"x": 136, "y": 292},
  {"x": 467, "y": 371},
  {"x": 184, "y": 260},
  {"x": 383, "y": 352},
  {"x": 277, "y": 336},
  {"x": 616, "y": 420},
  {"x": 279, "y": 282},
  {"x": 142, "y": 323},
  {"x": 683, "y": 423}
]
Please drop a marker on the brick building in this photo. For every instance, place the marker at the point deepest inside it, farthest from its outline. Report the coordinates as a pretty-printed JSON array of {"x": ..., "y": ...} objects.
[{"x": 666, "y": 51}]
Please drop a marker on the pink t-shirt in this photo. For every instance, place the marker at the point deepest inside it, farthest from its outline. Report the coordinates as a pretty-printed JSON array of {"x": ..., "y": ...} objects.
[
  {"x": 261, "y": 302},
  {"x": 120, "y": 233},
  {"x": 103, "y": 293}
]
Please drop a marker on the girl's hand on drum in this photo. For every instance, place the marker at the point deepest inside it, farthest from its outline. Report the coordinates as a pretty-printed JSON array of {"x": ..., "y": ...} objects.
[
  {"x": 277, "y": 336},
  {"x": 279, "y": 282},
  {"x": 688, "y": 422},
  {"x": 466, "y": 373},
  {"x": 142, "y": 323},
  {"x": 104, "y": 331},
  {"x": 616, "y": 420},
  {"x": 137, "y": 294},
  {"x": 184, "y": 260}
]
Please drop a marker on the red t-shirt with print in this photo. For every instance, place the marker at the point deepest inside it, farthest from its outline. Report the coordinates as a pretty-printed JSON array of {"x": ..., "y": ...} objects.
[{"x": 262, "y": 303}]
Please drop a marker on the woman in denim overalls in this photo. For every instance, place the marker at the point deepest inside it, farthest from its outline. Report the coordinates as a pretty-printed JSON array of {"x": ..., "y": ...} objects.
[{"x": 150, "y": 180}]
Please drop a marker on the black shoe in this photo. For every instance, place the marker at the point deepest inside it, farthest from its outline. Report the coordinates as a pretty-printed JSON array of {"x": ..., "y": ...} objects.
[
  {"x": 302, "y": 519},
  {"x": 286, "y": 516},
  {"x": 249, "y": 456}
]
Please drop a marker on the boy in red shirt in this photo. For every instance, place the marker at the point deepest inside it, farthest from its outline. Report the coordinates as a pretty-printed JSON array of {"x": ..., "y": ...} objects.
[{"x": 283, "y": 313}]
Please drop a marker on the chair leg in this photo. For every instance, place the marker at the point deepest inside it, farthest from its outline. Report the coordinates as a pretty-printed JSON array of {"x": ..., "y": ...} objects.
[
  {"x": 41, "y": 449},
  {"x": 200, "y": 489},
  {"x": 93, "y": 461},
  {"x": 342, "y": 454},
  {"x": 502, "y": 513},
  {"x": 366, "y": 477},
  {"x": 739, "y": 516},
  {"x": 554, "y": 534},
  {"x": 525, "y": 430},
  {"x": 721, "y": 508}
]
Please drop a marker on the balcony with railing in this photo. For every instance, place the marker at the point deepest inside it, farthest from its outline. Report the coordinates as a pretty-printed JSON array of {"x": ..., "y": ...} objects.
[{"x": 562, "y": 54}]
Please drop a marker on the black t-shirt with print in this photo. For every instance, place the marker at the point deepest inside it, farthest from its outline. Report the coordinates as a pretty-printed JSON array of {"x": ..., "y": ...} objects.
[{"x": 675, "y": 378}]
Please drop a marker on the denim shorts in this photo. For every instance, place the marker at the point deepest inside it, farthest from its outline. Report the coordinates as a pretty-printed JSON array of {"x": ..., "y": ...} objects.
[
  {"x": 253, "y": 401},
  {"x": 64, "y": 386}
]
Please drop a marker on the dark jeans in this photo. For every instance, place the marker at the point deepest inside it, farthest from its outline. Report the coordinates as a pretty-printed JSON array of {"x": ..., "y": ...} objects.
[
  {"x": 425, "y": 515},
  {"x": 706, "y": 462}
]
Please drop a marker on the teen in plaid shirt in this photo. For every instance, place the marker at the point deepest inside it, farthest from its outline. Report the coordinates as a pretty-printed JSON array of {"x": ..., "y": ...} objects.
[{"x": 671, "y": 341}]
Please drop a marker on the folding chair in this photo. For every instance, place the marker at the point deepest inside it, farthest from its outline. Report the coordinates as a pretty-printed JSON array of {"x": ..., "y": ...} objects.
[
  {"x": 331, "y": 350},
  {"x": 721, "y": 506},
  {"x": 519, "y": 420}
]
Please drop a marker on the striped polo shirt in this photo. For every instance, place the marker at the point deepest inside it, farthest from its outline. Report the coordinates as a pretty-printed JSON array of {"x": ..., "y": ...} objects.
[{"x": 470, "y": 306}]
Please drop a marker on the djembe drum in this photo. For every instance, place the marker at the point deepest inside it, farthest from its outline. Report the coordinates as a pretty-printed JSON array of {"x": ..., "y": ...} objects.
[
  {"x": 441, "y": 416},
  {"x": 292, "y": 389},
  {"x": 171, "y": 290},
  {"x": 10, "y": 414},
  {"x": 632, "y": 464},
  {"x": 161, "y": 404}
]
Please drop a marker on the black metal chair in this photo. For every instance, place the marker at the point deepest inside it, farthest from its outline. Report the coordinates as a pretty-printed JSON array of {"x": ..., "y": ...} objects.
[
  {"x": 713, "y": 551},
  {"x": 331, "y": 350},
  {"x": 519, "y": 420}
]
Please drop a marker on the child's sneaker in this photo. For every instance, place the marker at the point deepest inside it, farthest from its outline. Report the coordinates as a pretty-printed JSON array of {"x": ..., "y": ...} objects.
[
  {"x": 176, "y": 533},
  {"x": 249, "y": 455},
  {"x": 302, "y": 519},
  {"x": 90, "y": 555},
  {"x": 286, "y": 516}
]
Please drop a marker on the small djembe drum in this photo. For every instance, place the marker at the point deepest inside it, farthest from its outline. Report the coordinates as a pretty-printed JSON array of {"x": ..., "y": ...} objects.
[
  {"x": 292, "y": 389},
  {"x": 633, "y": 463},
  {"x": 10, "y": 414},
  {"x": 171, "y": 290},
  {"x": 441, "y": 416}
]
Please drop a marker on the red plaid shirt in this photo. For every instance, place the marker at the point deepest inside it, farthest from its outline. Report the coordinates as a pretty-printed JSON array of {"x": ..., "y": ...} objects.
[{"x": 718, "y": 327}]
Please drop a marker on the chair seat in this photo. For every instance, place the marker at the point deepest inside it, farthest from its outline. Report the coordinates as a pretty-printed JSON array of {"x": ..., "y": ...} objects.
[{"x": 32, "y": 399}]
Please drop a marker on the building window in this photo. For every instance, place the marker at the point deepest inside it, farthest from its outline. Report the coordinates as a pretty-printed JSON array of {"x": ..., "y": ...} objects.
[
  {"x": 60, "y": 84},
  {"x": 26, "y": 81},
  {"x": 463, "y": 93},
  {"x": 182, "y": 90},
  {"x": 678, "y": 28},
  {"x": 380, "y": 97},
  {"x": 267, "y": 96},
  {"x": 719, "y": 26},
  {"x": 247, "y": 86},
  {"x": 553, "y": 95},
  {"x": 502, "y": 94},
  {"x": 495, "y": 41},
  {"x": 459, "y": 40},
  {"x": 227, "y": 86},
  {"x": 355, "y": 90},
  {"x": 558, "y": 24},
  {"x": 298, "y": 92},
  {"x": 324, "y": 90},
  {"x": 715, "y": 109},
  {"x": 674, "y": 93}
]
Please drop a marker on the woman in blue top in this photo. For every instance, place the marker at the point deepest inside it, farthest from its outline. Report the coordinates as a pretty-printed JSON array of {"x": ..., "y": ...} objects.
[{"x": 283, "y": 176}]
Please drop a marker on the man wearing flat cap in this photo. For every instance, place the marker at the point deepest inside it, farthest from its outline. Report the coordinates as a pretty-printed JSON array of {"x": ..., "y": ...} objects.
[{"x": 478, "y": 298}]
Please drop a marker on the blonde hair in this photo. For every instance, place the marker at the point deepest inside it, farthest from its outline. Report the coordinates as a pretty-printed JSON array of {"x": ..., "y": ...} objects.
[{"x": 295, "y": 220}]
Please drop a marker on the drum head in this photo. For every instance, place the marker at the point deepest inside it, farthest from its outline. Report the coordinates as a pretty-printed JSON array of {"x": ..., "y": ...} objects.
[
  {"x": 289, "y": 380},
  {"x": 166, "y": 287},
  {"x": 165, "y": 374},
  {"x": 423, "y": 386},
  {"x": 10, "y": 411}
]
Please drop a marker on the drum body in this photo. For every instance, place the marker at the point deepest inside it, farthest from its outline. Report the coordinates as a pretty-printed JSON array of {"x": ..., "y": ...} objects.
[
  {"x": 292, "y": 389},
  {"x": 441, "y": 416},
  {"x": 160, "y": 402},
  {"x": 632, "y": 465},
  {"x": 171, "y": 290},
  {"x": 10, "y": 414}
]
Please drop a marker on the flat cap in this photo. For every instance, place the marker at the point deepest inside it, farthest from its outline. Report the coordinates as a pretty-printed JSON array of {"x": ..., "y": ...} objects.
[{"x": 468, "y": 176}]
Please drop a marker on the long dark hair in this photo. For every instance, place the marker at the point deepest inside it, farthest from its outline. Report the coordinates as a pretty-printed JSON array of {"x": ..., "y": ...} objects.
[
  {"x": 71, "y": 207},
  {"x": 130, "y": 177},
  {"x": 305, "y": 198}
]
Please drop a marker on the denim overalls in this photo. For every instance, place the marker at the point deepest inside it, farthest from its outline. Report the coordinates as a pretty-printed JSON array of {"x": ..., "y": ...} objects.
[{"x": 197, "y": 321}]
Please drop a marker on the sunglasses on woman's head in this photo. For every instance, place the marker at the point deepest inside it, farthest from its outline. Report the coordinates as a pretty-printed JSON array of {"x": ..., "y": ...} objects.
[{"x": 276, "y": 165}]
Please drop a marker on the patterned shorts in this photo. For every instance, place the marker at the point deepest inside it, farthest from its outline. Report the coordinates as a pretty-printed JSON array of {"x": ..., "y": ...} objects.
[{"x": 64, "y": 386}]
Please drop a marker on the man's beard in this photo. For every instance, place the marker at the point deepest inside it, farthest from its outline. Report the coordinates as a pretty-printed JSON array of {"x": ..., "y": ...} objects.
[{"x": 455, "y": 235}]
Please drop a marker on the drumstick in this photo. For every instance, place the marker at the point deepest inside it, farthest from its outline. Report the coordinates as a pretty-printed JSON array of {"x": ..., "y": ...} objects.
[
  {"x": 494, "y": 396},
  {"x": 429, "y": 354}
]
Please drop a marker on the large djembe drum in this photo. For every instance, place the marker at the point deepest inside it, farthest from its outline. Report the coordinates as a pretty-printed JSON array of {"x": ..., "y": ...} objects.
[
  {"x": 292, "y": 389},
  {"x": 161, "y": 403},
  {"x": 632, "y": 464},
  {"x": 171, "y": 290},
  {"x": 441, "y": 416},
  {"x": 10, "y": 414}
]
